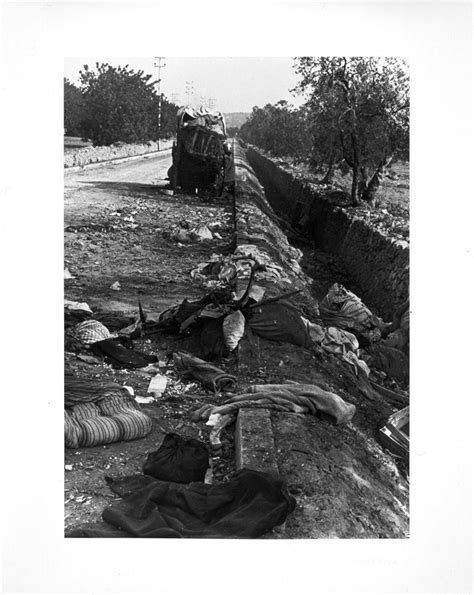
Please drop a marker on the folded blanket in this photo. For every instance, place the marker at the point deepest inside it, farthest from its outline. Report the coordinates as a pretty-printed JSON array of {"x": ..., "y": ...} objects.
[
  {"x": 210, "y": 376},
  {"x": 247, "y": 506}
]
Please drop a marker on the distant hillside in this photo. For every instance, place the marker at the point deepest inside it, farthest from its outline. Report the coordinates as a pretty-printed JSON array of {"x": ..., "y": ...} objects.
[{"x": 235, "y": 119}]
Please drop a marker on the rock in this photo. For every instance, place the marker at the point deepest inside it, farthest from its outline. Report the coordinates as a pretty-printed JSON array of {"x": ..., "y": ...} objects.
[{"x": 115, "y": 286}]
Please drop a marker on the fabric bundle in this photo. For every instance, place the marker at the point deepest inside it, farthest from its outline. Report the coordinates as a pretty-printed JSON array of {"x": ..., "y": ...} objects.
[
  {"x": 247, "y": 506},
  {"x": 295, "y": 398},
  {"x": 343, "y": 309},
  {"x": 210, "y": 376}
]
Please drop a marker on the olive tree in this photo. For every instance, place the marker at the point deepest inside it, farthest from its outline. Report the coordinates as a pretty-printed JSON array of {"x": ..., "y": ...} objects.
[{"x": 359, "y": 113}]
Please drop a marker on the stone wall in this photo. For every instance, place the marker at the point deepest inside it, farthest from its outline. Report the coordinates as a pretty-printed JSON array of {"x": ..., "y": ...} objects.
[
  {"x": 378, "y": 263},
  {"x": 88, "y": 155}
]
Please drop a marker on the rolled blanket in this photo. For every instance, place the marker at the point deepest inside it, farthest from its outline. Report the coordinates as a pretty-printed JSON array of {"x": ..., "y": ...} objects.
[{"x": 210, "y": 376}]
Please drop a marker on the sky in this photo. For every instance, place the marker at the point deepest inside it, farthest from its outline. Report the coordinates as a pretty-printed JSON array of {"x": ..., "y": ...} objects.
[{"x": 234, "y": 84}]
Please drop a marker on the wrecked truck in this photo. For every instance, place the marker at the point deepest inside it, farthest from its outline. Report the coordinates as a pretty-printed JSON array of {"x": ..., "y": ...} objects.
[{"x": 199, "y": 152}]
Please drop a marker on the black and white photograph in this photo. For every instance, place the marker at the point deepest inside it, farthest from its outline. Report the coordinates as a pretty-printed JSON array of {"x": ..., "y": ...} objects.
[
  {"x": 237, "y": 319},
  {"x": 234, "y": 238}
]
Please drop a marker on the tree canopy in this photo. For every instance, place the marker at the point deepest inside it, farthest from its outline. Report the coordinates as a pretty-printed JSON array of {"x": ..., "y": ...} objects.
[
  {"x": 120, "y": 104},
  {"x": 277, "y": 128},
  {"x": 73, "y": 109}
]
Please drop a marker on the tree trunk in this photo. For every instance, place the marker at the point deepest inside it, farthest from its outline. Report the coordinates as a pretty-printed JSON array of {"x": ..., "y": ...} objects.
[
  {"x": 355, "y": 168},
  {"x": 362, "y": 181},
  {"x": 374, "y": 184},
  {"x": 330, "y": 172}
]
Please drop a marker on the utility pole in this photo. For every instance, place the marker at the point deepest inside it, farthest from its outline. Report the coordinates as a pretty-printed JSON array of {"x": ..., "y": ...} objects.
[
  {"x": 159, "y": 65},
  {"x": 189, "y": 89}
]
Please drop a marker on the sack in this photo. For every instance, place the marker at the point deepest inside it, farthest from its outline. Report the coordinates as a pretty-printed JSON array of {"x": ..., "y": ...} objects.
[
  {"x": 178, "y": 459},
  {"x": 233, "y": 328}
]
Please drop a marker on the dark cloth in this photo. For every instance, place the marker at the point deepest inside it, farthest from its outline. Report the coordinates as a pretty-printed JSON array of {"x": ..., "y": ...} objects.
[
  {"x": 210, "y": 376},
  {"x": 121, "y": 357},
  {"x": 392, "y": 361},
  {"x": 278, "y": 321},
  {"x": 247, "y": 506},
  {"x": 178, "y": 459}
]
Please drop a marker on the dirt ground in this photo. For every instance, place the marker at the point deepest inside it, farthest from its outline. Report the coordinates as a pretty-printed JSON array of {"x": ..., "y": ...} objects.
[{"x": 118, "y": 225}]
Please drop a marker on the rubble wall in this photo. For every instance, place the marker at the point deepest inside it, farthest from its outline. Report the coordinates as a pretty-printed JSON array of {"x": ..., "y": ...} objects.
[
  {"x": 88, "y": 155},
  {"x": 256, "y": 224},
  {"x": 378, "y": 263}
]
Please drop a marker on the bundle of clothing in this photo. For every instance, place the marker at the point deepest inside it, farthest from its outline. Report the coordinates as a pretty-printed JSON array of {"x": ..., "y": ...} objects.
[
  {"x": 386, "y": 344},
  {"x": 210, "y": 376},
  {"x": 293, "y": 398},
  {"x": 343, "y": 309},
  {"x": 247, "y": 506},
  {"x": 100, "y": 412}
]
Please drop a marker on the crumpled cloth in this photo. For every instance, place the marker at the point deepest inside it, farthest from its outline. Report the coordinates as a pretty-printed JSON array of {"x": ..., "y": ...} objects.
[
  {"x": 210, "y": 376},
  {"x": 342, "y": 344},
  {"x": 343, "y": 309},
  {"x": 294, "y": 398},
  {"x": 79, "y": 390},
  {"x": 247, "y": 506},
  {"x": 178, "y": 459}
]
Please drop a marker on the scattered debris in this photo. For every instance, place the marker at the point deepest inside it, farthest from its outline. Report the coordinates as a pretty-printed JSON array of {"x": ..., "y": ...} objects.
[
  {"x": 395, "y": 435},
  {"x": 157, "y": 385}
]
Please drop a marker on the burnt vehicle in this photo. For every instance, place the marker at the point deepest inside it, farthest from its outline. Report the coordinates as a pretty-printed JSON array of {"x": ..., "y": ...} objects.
[{"x": 200, "y": 152}]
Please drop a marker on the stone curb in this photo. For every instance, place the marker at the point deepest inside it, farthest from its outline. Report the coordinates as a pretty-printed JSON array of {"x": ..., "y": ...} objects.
[{"x": 254, "y": 441}]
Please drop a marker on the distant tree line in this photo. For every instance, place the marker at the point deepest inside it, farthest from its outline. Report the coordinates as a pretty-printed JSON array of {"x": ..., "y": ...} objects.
[
  {"x": 356, "y": 115},
  {"x": 116, "y": 105}
]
